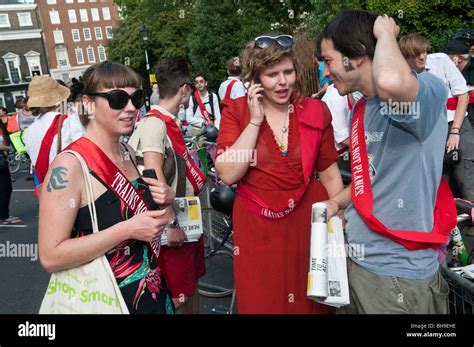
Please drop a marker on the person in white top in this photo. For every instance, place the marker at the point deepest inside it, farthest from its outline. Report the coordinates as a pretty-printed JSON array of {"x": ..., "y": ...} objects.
[
  {"x": 228, "y": 87},
  {"x": 46, "y": 97},
  {"x": 340, "y": 108},
  {"x": 461, "y": 135},
  {"x": 210, "y": 102}
]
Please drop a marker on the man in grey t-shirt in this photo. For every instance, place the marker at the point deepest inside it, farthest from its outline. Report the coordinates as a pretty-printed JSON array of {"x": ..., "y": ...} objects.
[{"x": 405, "y": 129}]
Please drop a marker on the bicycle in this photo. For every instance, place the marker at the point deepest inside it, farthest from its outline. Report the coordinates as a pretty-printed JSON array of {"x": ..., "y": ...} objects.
[
  {"x": 217, "y": 228},
  {"x": 461, "y": 290}
]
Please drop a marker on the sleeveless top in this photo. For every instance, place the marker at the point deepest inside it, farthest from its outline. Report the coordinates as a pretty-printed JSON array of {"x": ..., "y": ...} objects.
[{"x": 138, "y": 275}]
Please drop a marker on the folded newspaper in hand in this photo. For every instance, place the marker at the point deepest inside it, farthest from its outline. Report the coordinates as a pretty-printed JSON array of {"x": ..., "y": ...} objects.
[
  {"x": 336, "y": 290},
  {"x": 189, "y": 219}
]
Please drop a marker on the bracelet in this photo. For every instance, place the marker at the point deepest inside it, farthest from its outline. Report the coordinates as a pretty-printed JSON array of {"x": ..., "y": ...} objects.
[
  {"x": 255, "y": 124},
  {"x": 455, "y": 128},
  {"x": 451, "y": 133}
]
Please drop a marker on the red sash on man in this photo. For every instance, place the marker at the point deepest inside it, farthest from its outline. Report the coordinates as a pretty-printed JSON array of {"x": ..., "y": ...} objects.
[
  {"x": 42, "y": 162},
  {"x": 113, "y": 178},
  {"x": 452, "y": 103},
  {"x": 229, "y": 89},
  {"x": 194, "y": 175},
  {"x": 310, "y": 126},
  {"x": 202, "y": 108},
  {"x": 444, "y": 213}
]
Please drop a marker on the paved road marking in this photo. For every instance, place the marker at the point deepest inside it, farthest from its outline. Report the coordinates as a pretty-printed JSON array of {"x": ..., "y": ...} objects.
[{"x": 13, "y": 226}]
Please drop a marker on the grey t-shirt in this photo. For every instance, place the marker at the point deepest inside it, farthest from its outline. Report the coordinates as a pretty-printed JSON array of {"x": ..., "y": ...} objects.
[
  {"x": 405, "y": 151},
  {"x": 25, "y": 121}
]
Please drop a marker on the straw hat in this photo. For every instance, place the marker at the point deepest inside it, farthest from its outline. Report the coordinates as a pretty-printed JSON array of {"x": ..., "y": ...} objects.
[{"x": 44, "y": 91}]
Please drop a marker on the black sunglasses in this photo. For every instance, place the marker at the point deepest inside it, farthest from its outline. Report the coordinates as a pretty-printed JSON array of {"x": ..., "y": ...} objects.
[
  {"x": 118, "y": 98},
  {"x": 266, "y": 41}
]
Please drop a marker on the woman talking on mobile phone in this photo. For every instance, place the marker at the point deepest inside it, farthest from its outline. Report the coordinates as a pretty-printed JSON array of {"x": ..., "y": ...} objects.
[{"x": 272, "y": 142}]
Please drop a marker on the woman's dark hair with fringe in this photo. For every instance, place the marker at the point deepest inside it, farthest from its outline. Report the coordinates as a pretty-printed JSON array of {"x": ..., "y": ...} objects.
[{"x": 107, "y": 75}]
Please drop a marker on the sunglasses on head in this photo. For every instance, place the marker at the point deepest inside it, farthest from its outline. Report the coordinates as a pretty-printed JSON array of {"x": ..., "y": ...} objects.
[
  {"x": 266, "y": 41},
  {"x": 118, "y": 98}
]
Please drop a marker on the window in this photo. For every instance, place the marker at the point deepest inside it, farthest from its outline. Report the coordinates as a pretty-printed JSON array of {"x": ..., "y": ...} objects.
[
  {"x": 102, "y": 55},
  {"x": 4, "y": 20},
  {"x": 95, "y": 14},
  {"x": 65, "y": 77},
  {"x": 87, "y": 34},
  {"x": 109, "y": 32},
  {"x": 69, "y": 1},
  {"x": 72, "y": 16},
  {"x": 34, "y": 63},
  {"x": 12, "y": 63},
  {"x": 61, "y": 56},
  {"x": 84, "y": 16},
  {"x": 51, "y": 2},
  {"x": 106, "y": 13},
  {"x": 76, "y": 35},
  {"x": 81, "y": 0},
  {"x": 54, "y": 16},
  {"x": 19, "y": 94},
  {"x": 79, "y": 56},
  {"x": 98, "y": 33},
  {"x": 90, "y": 54},
  {"x": 24, "y": 19},
  {"x": 58, "y": 36}
]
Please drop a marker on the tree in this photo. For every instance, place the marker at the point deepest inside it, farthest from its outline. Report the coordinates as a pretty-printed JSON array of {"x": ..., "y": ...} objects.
[{"x": 436, "y": 20}]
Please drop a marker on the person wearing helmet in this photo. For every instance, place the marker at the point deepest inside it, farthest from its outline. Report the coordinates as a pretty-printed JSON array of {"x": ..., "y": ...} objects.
[{"x": 292, "y": 137}]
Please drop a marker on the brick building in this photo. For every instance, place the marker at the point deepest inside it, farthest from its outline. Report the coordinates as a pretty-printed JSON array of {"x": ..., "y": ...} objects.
[
  {"x": 75, "y": 33},
  {"x": 22, "y": 51}
]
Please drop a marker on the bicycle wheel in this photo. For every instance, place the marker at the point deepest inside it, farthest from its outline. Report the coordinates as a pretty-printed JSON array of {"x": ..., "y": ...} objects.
[
  {"x": 218, "y": 281},
  {"x": 217, "y": 227},
  {"x": 14, "y": 161}
]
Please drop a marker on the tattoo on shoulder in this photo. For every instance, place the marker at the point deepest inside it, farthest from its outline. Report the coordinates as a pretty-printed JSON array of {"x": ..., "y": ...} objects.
[{"x": 57, "y": 181}]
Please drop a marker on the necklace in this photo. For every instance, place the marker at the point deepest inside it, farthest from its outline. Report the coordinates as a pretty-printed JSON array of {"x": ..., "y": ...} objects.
[
  {"x": 120, "y": 164},
  {"x": 284, "y": 128}
]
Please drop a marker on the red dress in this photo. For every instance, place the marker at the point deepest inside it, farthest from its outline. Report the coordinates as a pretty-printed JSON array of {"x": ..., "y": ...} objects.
[{"x": 271, "y": 256}]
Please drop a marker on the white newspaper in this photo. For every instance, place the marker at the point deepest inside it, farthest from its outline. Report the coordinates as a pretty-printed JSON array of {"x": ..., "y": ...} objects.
[
  {"x": 337, "y": 282},
  {"x": 189, "y": 219}
]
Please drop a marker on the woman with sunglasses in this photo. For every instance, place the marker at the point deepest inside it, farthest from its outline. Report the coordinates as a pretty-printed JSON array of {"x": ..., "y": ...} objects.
[
  {"x": 129, "y": 231},
  {"x": 285, "y": 138}
]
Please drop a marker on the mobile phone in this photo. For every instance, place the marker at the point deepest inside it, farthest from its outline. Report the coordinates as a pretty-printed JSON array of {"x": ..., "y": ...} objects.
[
  {"x": 150, "y": 173},
  {"x": 256, "y": 79}
]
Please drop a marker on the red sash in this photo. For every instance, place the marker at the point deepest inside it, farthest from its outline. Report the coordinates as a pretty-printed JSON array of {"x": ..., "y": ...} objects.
[
  {"x": 452, "y": 103},
  {"x": 445, "y": 210},
  {"x": 42, "y": 162},
  {"x": 229, "y": 89},
  {"x": 194, "y": 175},
  {"x": 202, "y": 108},
  {"x": 114, "y": 179},
  {"x": 310, "y": 125}
]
